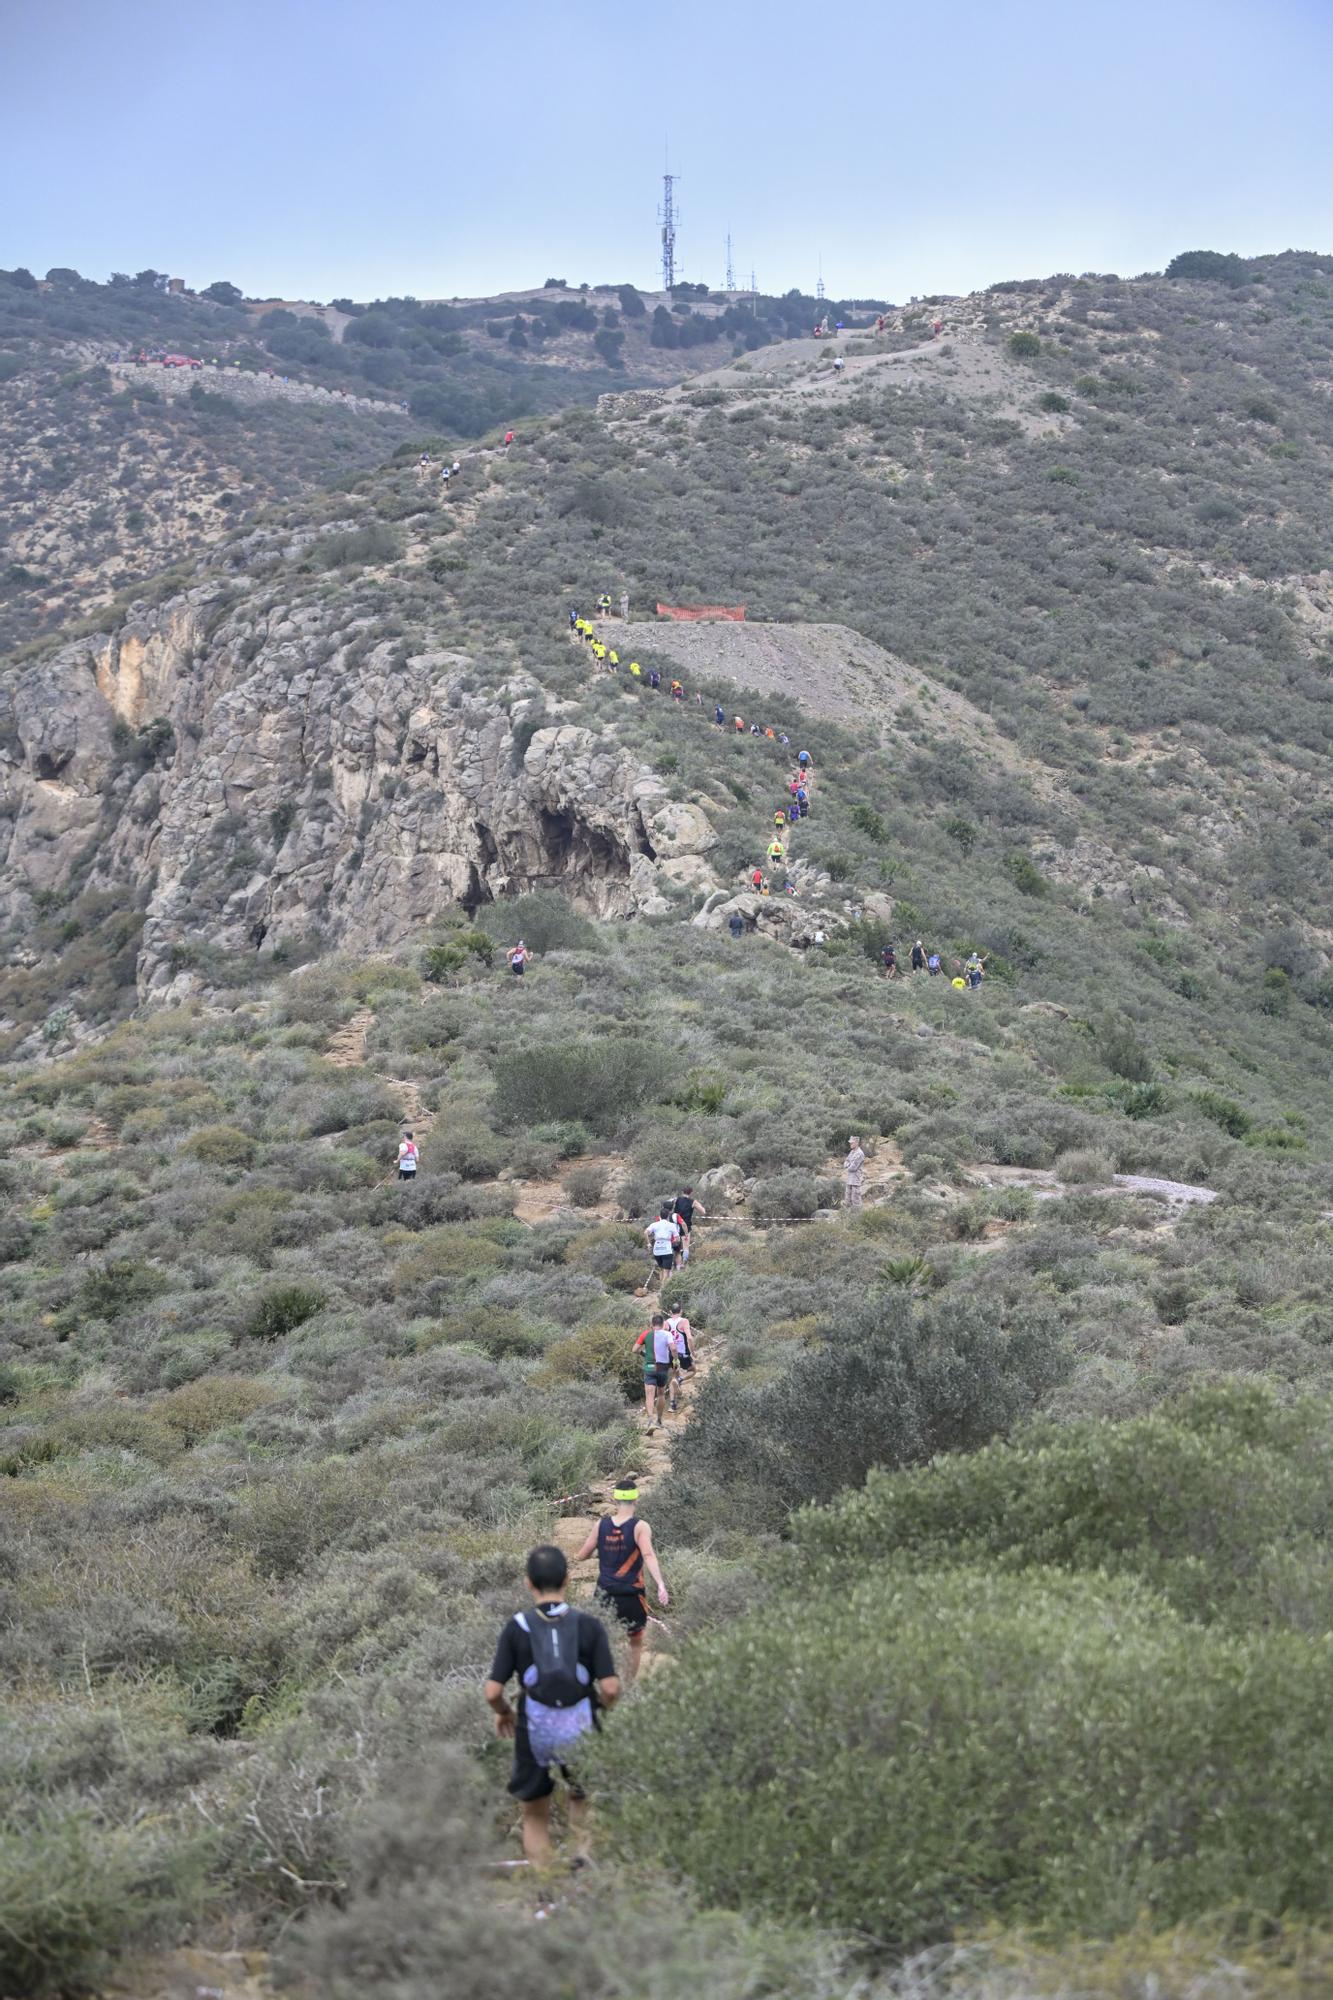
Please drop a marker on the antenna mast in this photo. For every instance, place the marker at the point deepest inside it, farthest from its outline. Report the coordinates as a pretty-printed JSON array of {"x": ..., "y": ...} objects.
[
  {"x": 819, "y": 286},
  {"x": 668, "y": 227},
  {"x": 731, "y": 269}
]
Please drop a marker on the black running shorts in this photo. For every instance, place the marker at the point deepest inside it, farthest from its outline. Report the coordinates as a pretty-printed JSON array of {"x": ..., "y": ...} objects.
[
  {"x": 530, "y": 1780},
  {"x": 629, "y": 1606}
]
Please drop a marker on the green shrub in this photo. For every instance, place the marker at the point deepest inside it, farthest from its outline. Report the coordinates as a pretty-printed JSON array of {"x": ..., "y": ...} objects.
[
  {"x": 464, "y": 948},
  {"x": 599, "y": 1083},
  {"x": 586, "y": 1185},
  {"x": 1085, "y": 1165},
  {"x": 1043, "y": 1749},
  {"x": 894, "y": 1383},
  {"x": 544, "y": 921},
  {"x": 282, "y": 1309},
  {"x": 1053, "y": 401},
  {"x": 1217, "y": 1501},
  {"x": 599, "y": 1352},
  {"x": 354, "y": 548},
  {"x": 1224, "y": 1111},
  {"x": 220, "y": 1146},
  {"x": 1024, "y": 346},
  {"x": 1123, "y": 1053},
  {"x": 118, "y": 1287},
  {"x": 1025, "y": 875},
  {"x": 786, "y": 1196},
  {"x": 73, "y": 1892}
]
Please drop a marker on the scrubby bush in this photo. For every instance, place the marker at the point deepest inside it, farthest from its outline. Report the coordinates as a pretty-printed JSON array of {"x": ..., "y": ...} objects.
[
  {"x": 1216, "y": 1501},
  {"x": 893, "y": 1383},
  {"x": 543, "y": 919},
  {"x": 283, "y": 1308},
  {"x": 600, "y": 1352},
  {"x": 597, "y": 1083},
  {"x": 220, "y": 1146},
  {"x": 1087, "y": 1165},
  {"x": 789, "y": 1196},
  {"x": 954, "y": 1790},
  {"x": 586, "y": 1185}
]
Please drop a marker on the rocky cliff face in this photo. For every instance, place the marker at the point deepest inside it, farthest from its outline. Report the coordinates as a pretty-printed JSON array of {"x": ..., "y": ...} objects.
[{"x": 274, "y": 781}]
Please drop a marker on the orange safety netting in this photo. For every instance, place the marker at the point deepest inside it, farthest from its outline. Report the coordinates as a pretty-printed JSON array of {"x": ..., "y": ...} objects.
[{"x": 736, "y": 611}]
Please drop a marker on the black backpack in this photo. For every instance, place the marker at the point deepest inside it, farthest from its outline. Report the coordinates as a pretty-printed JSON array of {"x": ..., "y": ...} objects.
[{"x": 555, "y": 1654}]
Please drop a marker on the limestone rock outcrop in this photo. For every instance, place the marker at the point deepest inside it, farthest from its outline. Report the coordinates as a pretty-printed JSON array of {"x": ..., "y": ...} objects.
[{"x": 275, "y": 781}]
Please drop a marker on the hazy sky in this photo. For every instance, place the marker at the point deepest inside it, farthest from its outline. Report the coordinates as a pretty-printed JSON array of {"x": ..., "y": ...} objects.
[{"x": 325, "y": 148}]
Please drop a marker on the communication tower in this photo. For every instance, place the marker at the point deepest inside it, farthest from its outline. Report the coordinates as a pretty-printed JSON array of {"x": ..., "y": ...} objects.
[
  {"x": 668, "y": 217},
  {"x": 731, "y": 269}
]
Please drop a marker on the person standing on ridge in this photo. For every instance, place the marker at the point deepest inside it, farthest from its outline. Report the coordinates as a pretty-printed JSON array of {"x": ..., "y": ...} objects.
[
  {"x": 623, "y": 1545},
  {"x": 853, "y": 1169},
  {"x": 566, "y": 1673}
]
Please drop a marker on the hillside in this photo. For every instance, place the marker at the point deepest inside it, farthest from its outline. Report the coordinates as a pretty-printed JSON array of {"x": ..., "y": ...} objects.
[
  {"x": 997, "y": 1533},
  {"x": 116, "y": 466}
]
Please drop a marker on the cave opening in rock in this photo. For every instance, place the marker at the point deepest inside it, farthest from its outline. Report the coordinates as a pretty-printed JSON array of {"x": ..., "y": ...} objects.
[{"x": 48, "y": 766}]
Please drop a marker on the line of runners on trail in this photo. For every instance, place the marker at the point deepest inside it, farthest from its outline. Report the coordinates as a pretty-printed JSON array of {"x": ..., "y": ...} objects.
[
  {"x": 559, "y": 1654},
  {"x": 785, "y": 815}
]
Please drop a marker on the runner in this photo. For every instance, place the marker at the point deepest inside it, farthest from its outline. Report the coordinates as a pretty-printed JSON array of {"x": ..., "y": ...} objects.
[
  {"x": 780, "y": 817},
  {"x": 740, "y": 725},
  {"x": 890, "y": 957},
  {"x": 774, "y": 851},
  {"x": 566, "y": 1672},
  {"x": 687, "y": 1208},
  {"x": 736, "y": 924},
  {"x": 757, "y": 880},
  {"x": 854, "y": 1167},
  {"x": 720, "y": 715},
  {"x": 918, "y": 957},
  {"x": 407, "y": 1158},
  {"x": 658, "y": 1351},
  {"x": 518, "y": 959},
  {"x": 662, "y": 1235},
  {"x": 975, "y": 970},
  {"x": 677, "y": 691},
  {"x": 802, "y": 802},
  {"x": 636, "y": 670},
  {"x": 933, "y": 966},
  {"x": 803, "y": 759},
  {"x": 682, "y": 1333},
  {"x": 623, "y": 1544}
]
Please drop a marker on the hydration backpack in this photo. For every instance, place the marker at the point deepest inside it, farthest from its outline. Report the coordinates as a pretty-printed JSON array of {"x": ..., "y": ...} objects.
[{"x": 555, "y": 1670}]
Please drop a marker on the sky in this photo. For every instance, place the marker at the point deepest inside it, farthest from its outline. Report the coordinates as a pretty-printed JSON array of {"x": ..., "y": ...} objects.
[{"x": 309, "y": 150}]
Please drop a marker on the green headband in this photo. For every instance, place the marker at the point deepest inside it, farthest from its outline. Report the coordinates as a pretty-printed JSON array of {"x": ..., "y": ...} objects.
[{"x": 625, "y": 1493}]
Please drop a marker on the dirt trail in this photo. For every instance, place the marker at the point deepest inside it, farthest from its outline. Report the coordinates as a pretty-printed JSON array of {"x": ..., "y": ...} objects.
[
  {"x": 347, "y": 1044},
  {"x": 572, "y": 1530}
]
